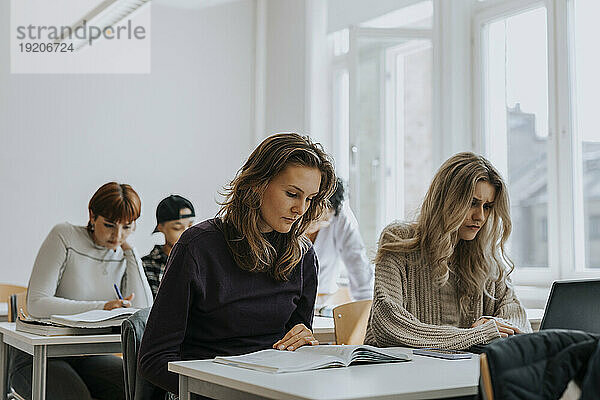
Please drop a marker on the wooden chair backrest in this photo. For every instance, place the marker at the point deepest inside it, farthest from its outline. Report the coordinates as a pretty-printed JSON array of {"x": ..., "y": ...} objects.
[
  {"x": 350, "y": 321},
  {"x": 6, "y": 291},
  {"x": 485, "y": 378},
  {"x": 21, "y": 305}
]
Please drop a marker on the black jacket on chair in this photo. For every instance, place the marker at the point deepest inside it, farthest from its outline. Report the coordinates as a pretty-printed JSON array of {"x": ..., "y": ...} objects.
[
  {"x": 590, "y": 389},
  {"x": 539, "y": 366},
  {"x": 136, "y": 387}
]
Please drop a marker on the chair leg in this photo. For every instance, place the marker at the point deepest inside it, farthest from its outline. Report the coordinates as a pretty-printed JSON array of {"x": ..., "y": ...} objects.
[
  {"x": 485, "y": 378},
  {"x": 14, "y": 395}
]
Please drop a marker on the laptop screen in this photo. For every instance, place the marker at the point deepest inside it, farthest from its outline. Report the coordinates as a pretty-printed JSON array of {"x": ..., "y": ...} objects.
[{"x": 573, "y": 305}]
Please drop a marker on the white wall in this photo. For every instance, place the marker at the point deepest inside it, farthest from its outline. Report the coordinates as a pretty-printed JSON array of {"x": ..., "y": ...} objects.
[
  {"x": 185, "y": 128},
  {"x": 285, "y": 66},
  {"x": 296, "y": 69},
  {"x": 318, "y": 77},
  {"x": 452, "y": 54}
]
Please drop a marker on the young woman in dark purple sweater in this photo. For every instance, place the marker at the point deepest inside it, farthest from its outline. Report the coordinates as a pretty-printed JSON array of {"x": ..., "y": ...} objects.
[{"x": 247, "y": 279}]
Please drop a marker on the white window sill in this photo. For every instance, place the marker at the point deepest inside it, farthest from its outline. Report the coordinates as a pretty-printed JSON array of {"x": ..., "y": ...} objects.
[{"x": 532, "y": 296}]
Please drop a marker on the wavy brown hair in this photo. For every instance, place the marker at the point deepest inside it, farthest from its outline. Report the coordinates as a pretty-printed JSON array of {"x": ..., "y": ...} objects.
[
  {"x": 240, "y": 212},
  {"x": 474, "y": 262}
]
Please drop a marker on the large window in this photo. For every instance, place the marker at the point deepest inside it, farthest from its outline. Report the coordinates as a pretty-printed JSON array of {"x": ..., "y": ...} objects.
[
  {"x": 516, "y": 125},
  {"x": 586, "y": 59},
  {"x": 382, "y": 114},
  {"x": 536, "y": 80}
]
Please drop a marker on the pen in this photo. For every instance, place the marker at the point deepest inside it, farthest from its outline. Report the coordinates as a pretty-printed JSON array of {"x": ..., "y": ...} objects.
[{"x": 119, "y": 295}]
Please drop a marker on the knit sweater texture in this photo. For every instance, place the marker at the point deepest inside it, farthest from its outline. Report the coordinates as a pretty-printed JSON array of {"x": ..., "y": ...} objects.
[
  {"x": 409, "y": 309},
  {"x": 72, "y": 274}
]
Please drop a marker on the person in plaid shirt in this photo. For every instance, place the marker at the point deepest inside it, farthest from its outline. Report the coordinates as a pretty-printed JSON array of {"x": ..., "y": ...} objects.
[{"x": 173, "y": 216}]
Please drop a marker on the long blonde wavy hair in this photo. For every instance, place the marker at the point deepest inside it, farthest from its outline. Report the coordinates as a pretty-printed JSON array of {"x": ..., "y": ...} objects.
[
  {"x": 475, "y": 262},
  {"x": 240, "y": 212}
]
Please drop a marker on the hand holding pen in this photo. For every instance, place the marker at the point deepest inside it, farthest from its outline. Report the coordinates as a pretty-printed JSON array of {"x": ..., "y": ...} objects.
[{"x": 120, "y": 302}]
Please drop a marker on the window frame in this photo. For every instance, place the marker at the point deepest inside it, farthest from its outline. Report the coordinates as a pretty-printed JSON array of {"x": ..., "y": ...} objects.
[
  {"x": 349, "y": 62},
  {"x": 566, "y": 243}
]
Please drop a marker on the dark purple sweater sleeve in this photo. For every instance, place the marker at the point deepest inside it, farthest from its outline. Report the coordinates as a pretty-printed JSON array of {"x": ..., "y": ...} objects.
[
  {"x": 166, "y": 326},
  {"x": 200, "y": 292},
  {"x": 305, "y": 310}
]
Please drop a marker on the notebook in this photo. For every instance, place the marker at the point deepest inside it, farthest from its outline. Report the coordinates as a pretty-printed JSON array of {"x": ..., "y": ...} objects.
[
  {"x": 94, "y": 318},
  {"x": 47, "y": 328},
  {"x": 573, "y": 305}
]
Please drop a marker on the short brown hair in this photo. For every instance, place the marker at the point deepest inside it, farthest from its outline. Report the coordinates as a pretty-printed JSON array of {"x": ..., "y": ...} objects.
[{"x": 117, "y": 202}]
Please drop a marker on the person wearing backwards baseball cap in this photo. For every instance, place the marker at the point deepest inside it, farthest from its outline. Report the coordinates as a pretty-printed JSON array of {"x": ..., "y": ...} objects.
[{"x": 174, "y": 215}]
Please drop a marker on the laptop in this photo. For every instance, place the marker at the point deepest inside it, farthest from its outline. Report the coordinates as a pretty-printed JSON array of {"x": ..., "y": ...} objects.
[{"x": 573, "y": 305}]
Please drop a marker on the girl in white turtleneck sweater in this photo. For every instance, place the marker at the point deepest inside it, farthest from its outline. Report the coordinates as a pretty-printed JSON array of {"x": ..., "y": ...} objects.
[{"x": 74, "y": 271}]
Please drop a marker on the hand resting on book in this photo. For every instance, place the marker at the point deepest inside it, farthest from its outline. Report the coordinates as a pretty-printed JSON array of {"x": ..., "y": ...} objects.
[
  {"x": 297, "y": 337},
  {"x": 504, "y": 328}
]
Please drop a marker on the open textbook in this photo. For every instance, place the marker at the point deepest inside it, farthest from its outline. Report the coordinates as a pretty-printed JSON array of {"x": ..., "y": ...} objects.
[
  {"x": 47, "y": 328},
  {"x": 86, "y": 323},
  {"x": 314, "y": 357},
  {"x": 94, "y": 318}
]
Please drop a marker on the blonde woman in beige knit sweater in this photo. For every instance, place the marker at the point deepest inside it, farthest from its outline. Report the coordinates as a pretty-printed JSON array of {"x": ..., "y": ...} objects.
[{"x": 442, "y": 281}]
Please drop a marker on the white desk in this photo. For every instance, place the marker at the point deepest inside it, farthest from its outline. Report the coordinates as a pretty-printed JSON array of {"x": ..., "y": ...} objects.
[
  {"x": 3, "y": 312},
  {"x": 422, "y": 378},
  {"x": 323, "y": 329},
  {"x": 42, "y": 347},
  {"x": 535, "y": 315}
]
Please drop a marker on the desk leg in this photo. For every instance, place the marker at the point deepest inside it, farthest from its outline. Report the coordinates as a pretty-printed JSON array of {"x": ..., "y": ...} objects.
[
  {"x": 184, "y": 393},
  {"x": 38, "y": 383},
  {"x": 3, "y": 368}
]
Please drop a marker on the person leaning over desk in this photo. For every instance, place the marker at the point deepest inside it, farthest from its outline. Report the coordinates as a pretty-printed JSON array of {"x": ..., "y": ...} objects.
[
  {"x": 247, "y": 279},
  {"x": 442, "y": 281},
  {"x": 337, "y": 240},
  {"x": 75, "y": 271}
]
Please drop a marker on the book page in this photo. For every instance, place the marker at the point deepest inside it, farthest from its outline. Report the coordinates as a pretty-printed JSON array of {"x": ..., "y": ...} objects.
[
  {"x": 94, "y": 318},
  {"x": 38, "y": 328},
  {"x": 96, "y": 315},
  {"x": 341, "y": 352},
  {"x": 356, "y": 353},
  {"x": 314, "y": 357},
  {"x": 281, "y": 361},
  {"x": 366, "y": 353}
]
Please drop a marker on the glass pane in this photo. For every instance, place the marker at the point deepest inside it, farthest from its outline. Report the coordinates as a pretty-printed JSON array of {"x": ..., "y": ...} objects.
[
  {"x": 516, "y": 123},
  {"x": 587, "y": 65},
  {"x": 367, "y": 147},
  {"x": 393, "y": 159},
  {"x": 413, "y": 112},
  {"x": 419, "y": 15},
  {"x": 340, "y": 115}
]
